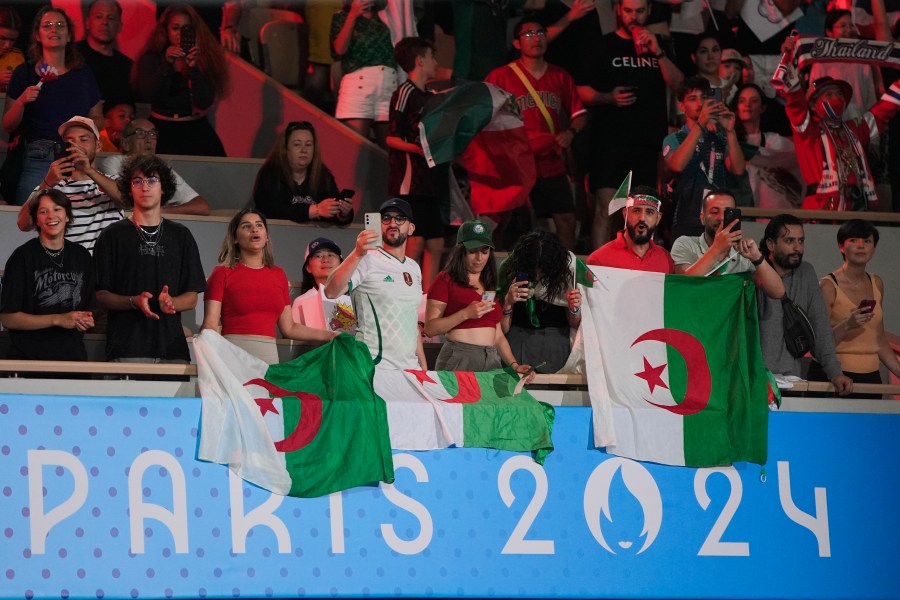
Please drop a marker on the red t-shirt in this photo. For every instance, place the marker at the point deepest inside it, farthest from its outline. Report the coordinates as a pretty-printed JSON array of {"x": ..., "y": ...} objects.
[
  {"x": 617, "y": 254},
  {"x": 457, "y": 297},
  {"x": 252, "y": 299},
  {"x": 557, "y": 90}
]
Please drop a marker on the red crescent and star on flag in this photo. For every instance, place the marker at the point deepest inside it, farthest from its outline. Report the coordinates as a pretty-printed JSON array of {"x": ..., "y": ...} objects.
[
  {"x": 310, "y": 414},
  {"x": 699, "y": 382}
]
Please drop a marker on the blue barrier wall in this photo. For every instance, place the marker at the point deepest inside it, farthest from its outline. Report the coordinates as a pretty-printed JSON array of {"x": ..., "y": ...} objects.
[{"x": 102, "y": 498}]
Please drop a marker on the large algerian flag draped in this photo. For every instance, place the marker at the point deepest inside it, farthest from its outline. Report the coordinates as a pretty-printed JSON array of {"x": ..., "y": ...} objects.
[
  {"x": 305, "y": 428},
  {"x": 481, "y": 124},
  {"x": 436, "y": 409},
  {"x": 674, "y": 367},
  {"x": 319, "y": 423}
]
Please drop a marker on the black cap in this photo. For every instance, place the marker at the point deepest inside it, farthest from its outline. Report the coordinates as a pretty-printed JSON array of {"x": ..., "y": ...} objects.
[
  {"x": 321, "y": 243},
  {"x": 397, "y": 205}
]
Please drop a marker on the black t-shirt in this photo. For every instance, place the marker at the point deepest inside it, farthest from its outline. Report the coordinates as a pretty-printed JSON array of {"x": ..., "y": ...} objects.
[
  {"x": 615, "y": 63},
  {"x": 112, "y": 73},
  {"x": 34, "y": 284},
  {"x": 408, "y": 173},
  {"x": 127, "y": 266},
  {"x": 277, "y": 200}
]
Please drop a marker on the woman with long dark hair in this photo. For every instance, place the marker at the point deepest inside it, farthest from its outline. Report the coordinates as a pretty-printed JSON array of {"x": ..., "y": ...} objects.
[
  {"x": 248, "y": 294},
  {"x": 462, "y": 306},
  {"x": 44, "y": 92},
  {"x": 855, "y": 302},
  {"x": 768, "y": 186},
  {"x": 541, "y": 305},
  {"x": 294, "y": 182},
  {"x": 48, "y": 287},
  {"x": 181, "y": 73}
]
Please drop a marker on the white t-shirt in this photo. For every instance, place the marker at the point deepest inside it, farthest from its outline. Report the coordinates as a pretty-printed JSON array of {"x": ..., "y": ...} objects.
[
  {"x": 386, "y": 294},
  {"x": 183, "y": 192}
]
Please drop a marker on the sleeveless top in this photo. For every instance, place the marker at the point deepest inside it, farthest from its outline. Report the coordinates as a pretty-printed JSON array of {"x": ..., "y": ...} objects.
[{"x": 858, "y": 351}]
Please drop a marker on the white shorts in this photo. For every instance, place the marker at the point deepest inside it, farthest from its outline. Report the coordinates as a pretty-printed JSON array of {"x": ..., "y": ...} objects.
[{"x": 366, "y": 94}]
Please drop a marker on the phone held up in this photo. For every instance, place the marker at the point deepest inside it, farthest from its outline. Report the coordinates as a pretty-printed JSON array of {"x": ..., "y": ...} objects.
[
  {"x": 372, "y": 221},
  {"x": 732, "y": 214},
  {"x": 188, "y": 38}
]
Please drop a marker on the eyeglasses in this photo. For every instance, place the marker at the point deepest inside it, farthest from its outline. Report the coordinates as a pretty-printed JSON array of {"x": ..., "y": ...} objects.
[
  {"x": 386, "y": 219},
  {"x": 143, "y": 133},
  {"x": 138, "y": 182},
  {"x": 541, "y": 33},
  {"x": 48, "y": 25}
]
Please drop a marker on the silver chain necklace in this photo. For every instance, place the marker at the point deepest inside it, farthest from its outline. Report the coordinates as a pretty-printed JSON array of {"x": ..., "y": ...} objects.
[
  {"x": 55, "y": 256},
  {"x": 149, "y": 239}
]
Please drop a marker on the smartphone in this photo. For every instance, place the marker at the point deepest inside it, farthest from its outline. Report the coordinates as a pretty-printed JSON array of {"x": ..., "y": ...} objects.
[
  {"x": 866, "y": 306},
  {"x": 732, "y": 214},
  {"x": 489, "y": 296},
  {"x": 372, "y": 222},
  {"x": 188, "y": 38},
  {"x": 61, "y": 150},
  {"x": 521, "y": 276},
  {"x": 713, "y": 94},
  {"x": 631, "y": 89},
  {"x": 346, "y": 194}
]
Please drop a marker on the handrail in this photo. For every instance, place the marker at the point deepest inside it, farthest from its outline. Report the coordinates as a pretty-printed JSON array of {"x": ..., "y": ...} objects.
[
  {"x": 190, "y": 370},
  {"x": 824, "y": 215}
]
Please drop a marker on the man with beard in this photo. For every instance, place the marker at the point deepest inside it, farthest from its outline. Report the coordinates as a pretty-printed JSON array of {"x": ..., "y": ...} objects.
[
  {"x": 784, "y": 243},
  {"x": 386, "y": 289},
  {"x": 634, "y": 247},
  {"x": 96, "y": 200},
  {"x": 624, "y": 81},
  {"x": 722, "y": 248}
]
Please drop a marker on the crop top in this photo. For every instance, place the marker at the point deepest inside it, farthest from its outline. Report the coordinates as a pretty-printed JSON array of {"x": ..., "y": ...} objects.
[{"x": 457, "y": 297}]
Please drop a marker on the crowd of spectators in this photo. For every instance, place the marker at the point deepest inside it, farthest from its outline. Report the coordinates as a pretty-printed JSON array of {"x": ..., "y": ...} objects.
[{"x": 690, "y": 116}]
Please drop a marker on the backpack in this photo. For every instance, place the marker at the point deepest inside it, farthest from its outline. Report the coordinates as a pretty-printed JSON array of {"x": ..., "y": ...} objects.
[{"x": 799, "y": 336}]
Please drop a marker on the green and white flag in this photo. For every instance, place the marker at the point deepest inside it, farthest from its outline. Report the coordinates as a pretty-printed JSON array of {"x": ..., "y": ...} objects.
[
  {"x": 437, "y": 409},
  {"x": 674, "y": 367},
  {"x": 305, "y": 428}
]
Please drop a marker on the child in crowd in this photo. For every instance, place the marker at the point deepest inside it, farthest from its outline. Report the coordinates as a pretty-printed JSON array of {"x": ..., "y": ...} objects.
[
  {"x": 10, "y": 56},
  {"x": 409, "y": 176}
]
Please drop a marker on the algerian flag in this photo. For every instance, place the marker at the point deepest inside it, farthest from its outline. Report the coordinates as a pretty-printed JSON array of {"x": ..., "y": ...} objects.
[
  {"x": 305, "y": 428},
  {"x": 674, "y": 367},
  {"x": 620, "y": 198},
  {"x": 436, "y": 409}
]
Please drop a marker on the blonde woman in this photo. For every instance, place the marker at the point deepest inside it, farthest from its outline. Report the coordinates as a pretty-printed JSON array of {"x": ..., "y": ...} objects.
[{"x": 248, "y": 293}]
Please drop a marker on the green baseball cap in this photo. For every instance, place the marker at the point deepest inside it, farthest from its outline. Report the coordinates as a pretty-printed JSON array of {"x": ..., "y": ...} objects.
[{"x": 474, "y": 235}]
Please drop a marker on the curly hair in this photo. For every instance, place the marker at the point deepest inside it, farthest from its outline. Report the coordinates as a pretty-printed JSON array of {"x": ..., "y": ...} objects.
[
  {"x": 316, "y": 173},
  {"x": 150, "y": 165},
  {"x": 211, "y": 57},
  {"x": 74, "y": 59},
  {"x": 542, "y": 257},
  {"x": 459, "y": 274},
  {"x": 230, "y": 253}
]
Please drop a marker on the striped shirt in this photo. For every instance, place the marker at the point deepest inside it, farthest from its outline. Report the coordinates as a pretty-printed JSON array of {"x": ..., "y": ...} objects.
[{"x": 92, "y": 210}]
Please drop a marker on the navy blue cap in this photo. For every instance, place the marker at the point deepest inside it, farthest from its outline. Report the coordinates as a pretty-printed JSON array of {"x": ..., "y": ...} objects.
[
  {"x": 397, "y": 205},
  {"x": 321, "y": 243}
]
